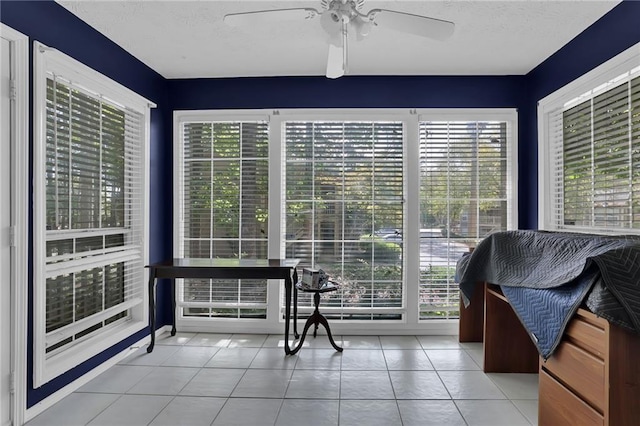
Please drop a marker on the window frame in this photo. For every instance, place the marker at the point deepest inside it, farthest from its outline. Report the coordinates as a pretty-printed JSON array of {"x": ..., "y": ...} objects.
[
  {"x": 48, "y": 60},
  {"x": 547, "y": 137},
  {"x": 411, "y": 118}
]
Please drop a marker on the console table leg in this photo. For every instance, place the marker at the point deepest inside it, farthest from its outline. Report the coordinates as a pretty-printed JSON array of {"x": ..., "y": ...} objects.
[
  {"x": 287, "y": 314},
  {"x": 152, "y": 310},
  {"x": 295, "y": 313},
  {"x": 173, "y": 307}
]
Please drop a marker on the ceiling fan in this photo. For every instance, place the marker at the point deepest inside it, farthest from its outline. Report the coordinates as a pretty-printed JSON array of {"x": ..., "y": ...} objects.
[{"x": 338, "y": 16}]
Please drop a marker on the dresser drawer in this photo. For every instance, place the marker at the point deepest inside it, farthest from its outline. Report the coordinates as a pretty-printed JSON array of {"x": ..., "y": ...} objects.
[
  {"x": 588, "y": 332},
  {"x": 579, "y": 371},
  {"x": 558, "y": 406}
]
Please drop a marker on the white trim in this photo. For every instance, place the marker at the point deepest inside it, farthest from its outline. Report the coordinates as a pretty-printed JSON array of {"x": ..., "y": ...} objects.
[
  {"x": 412, "y": 215},
  {"x": 622, "y": 63},
  {"x": 67, "y": 331},
  {"x": 20, "y": 213},
  {"x": 47, "y": 61},
  {"x": 81, "y": 75},
  {"x": 67, "y": 390},
  {"x": 276, "y": 221}
]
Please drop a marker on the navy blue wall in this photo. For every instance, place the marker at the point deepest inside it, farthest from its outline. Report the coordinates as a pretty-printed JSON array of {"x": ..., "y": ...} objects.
[
  {"x": 52, "y": 25},
  {"x": 615, "y": 32},
  {"x": 347, "y": 92}
]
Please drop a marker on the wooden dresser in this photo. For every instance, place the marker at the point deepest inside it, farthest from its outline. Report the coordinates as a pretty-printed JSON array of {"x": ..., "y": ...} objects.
[{"x": 593, "y": 377}]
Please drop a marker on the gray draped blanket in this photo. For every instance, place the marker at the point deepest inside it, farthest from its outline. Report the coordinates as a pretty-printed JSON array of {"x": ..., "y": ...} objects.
[{"x": 566, "y": 270}]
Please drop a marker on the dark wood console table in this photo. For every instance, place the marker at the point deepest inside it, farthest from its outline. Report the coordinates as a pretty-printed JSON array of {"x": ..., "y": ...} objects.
[{"x": 280, "y": 269}]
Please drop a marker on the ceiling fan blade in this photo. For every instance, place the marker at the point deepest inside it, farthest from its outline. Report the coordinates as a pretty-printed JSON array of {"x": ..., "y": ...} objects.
[
  {"x": 335, "y": 60},
  {"x": 413, "y": 24},
  {"x": 265, "y": 16}
]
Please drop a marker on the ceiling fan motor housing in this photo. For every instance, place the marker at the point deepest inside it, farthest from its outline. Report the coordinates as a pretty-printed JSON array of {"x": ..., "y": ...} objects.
[{"x": 343, "y": 10}]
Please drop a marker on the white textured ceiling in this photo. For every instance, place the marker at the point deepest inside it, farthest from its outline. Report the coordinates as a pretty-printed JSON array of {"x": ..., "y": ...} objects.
[{"x": 187, "y": 39}]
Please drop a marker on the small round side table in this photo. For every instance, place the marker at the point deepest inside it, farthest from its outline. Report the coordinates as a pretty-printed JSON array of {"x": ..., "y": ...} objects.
[{"x": 316, "y": 318}]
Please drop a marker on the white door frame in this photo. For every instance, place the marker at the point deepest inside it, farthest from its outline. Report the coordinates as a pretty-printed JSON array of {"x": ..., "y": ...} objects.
[{"x": 19, "y": 216}]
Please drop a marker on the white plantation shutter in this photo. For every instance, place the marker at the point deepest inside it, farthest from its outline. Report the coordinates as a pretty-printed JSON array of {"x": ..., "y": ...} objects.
[
  {"x": 343, "y": 181},
  {"x": 597, "y": 161},
  {"x": 94, "y": 221},
  {"x": 464, "y": 196},
  {"x": 223, "y": 184}
]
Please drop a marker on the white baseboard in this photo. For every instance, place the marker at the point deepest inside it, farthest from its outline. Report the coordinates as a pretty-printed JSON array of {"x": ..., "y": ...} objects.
[{"x": 81, "y": 381}]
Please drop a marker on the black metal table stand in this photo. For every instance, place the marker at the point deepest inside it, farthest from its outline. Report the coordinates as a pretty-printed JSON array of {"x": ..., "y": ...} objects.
[{"x": 316, "y": 318}]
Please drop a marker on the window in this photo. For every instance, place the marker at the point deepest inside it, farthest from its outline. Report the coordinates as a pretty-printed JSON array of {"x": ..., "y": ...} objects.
[
  {"x": 89, "y": 219},
  {"x": 592, "y": 146},
  {"x": 384, "y": 201},
  {"x": 465, "y": 195},
  {"x": 344, "y": 181},
  {"x": 223, "y": 188}
]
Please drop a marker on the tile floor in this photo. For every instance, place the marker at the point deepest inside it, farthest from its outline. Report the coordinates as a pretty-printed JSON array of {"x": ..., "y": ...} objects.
[{"x": 223, "y": 379}]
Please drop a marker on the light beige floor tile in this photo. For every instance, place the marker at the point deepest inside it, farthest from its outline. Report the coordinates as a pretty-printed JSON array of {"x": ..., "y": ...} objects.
[
  {"x": 430, "y": 413},
  {"x": 164, "y": 381},
  {"x": 407, "y": 359},
  {"x": 159, "y": 355},
  {"x": 317, "y": 384},
  {"x": 418, "y": 385},
  {"x": 210, "y": 339},
  {"x": 515, "y": 385},
  {"x": 470, "y": 385},
  {"x": 233, "y": 358},
  {"x": 400, "y": 342},
  {"x": 361, "y": 342},
  {"x": 191, "y": 356},
  {"x": 218, "y": 382},
  {"x": 117, "y": 379},
  {"x": 439, "y": 342},
  {"x": 248, "y": 412},
  {"x": 366, "y": 385},
  {"x": 273, "y": 358},
  {"x": 263, "y": 384},
  {"x": 362, "y": 359},
  {"x": 189, "y": 410},
  {"x": 297, "y": 412},
  {"x": 491, "y": 413},
  {"x": 179, "y": 339},
  {"x": 132, "y": 410},
  {"x": 247, "y": 340},
  {"x": 451, "y": 359},
  {"x": 370, "y": 413},
  {"x": 76, "y": 409},
  {"x": 319, "y": 359},
  {"x": 529, "y": 408}
]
